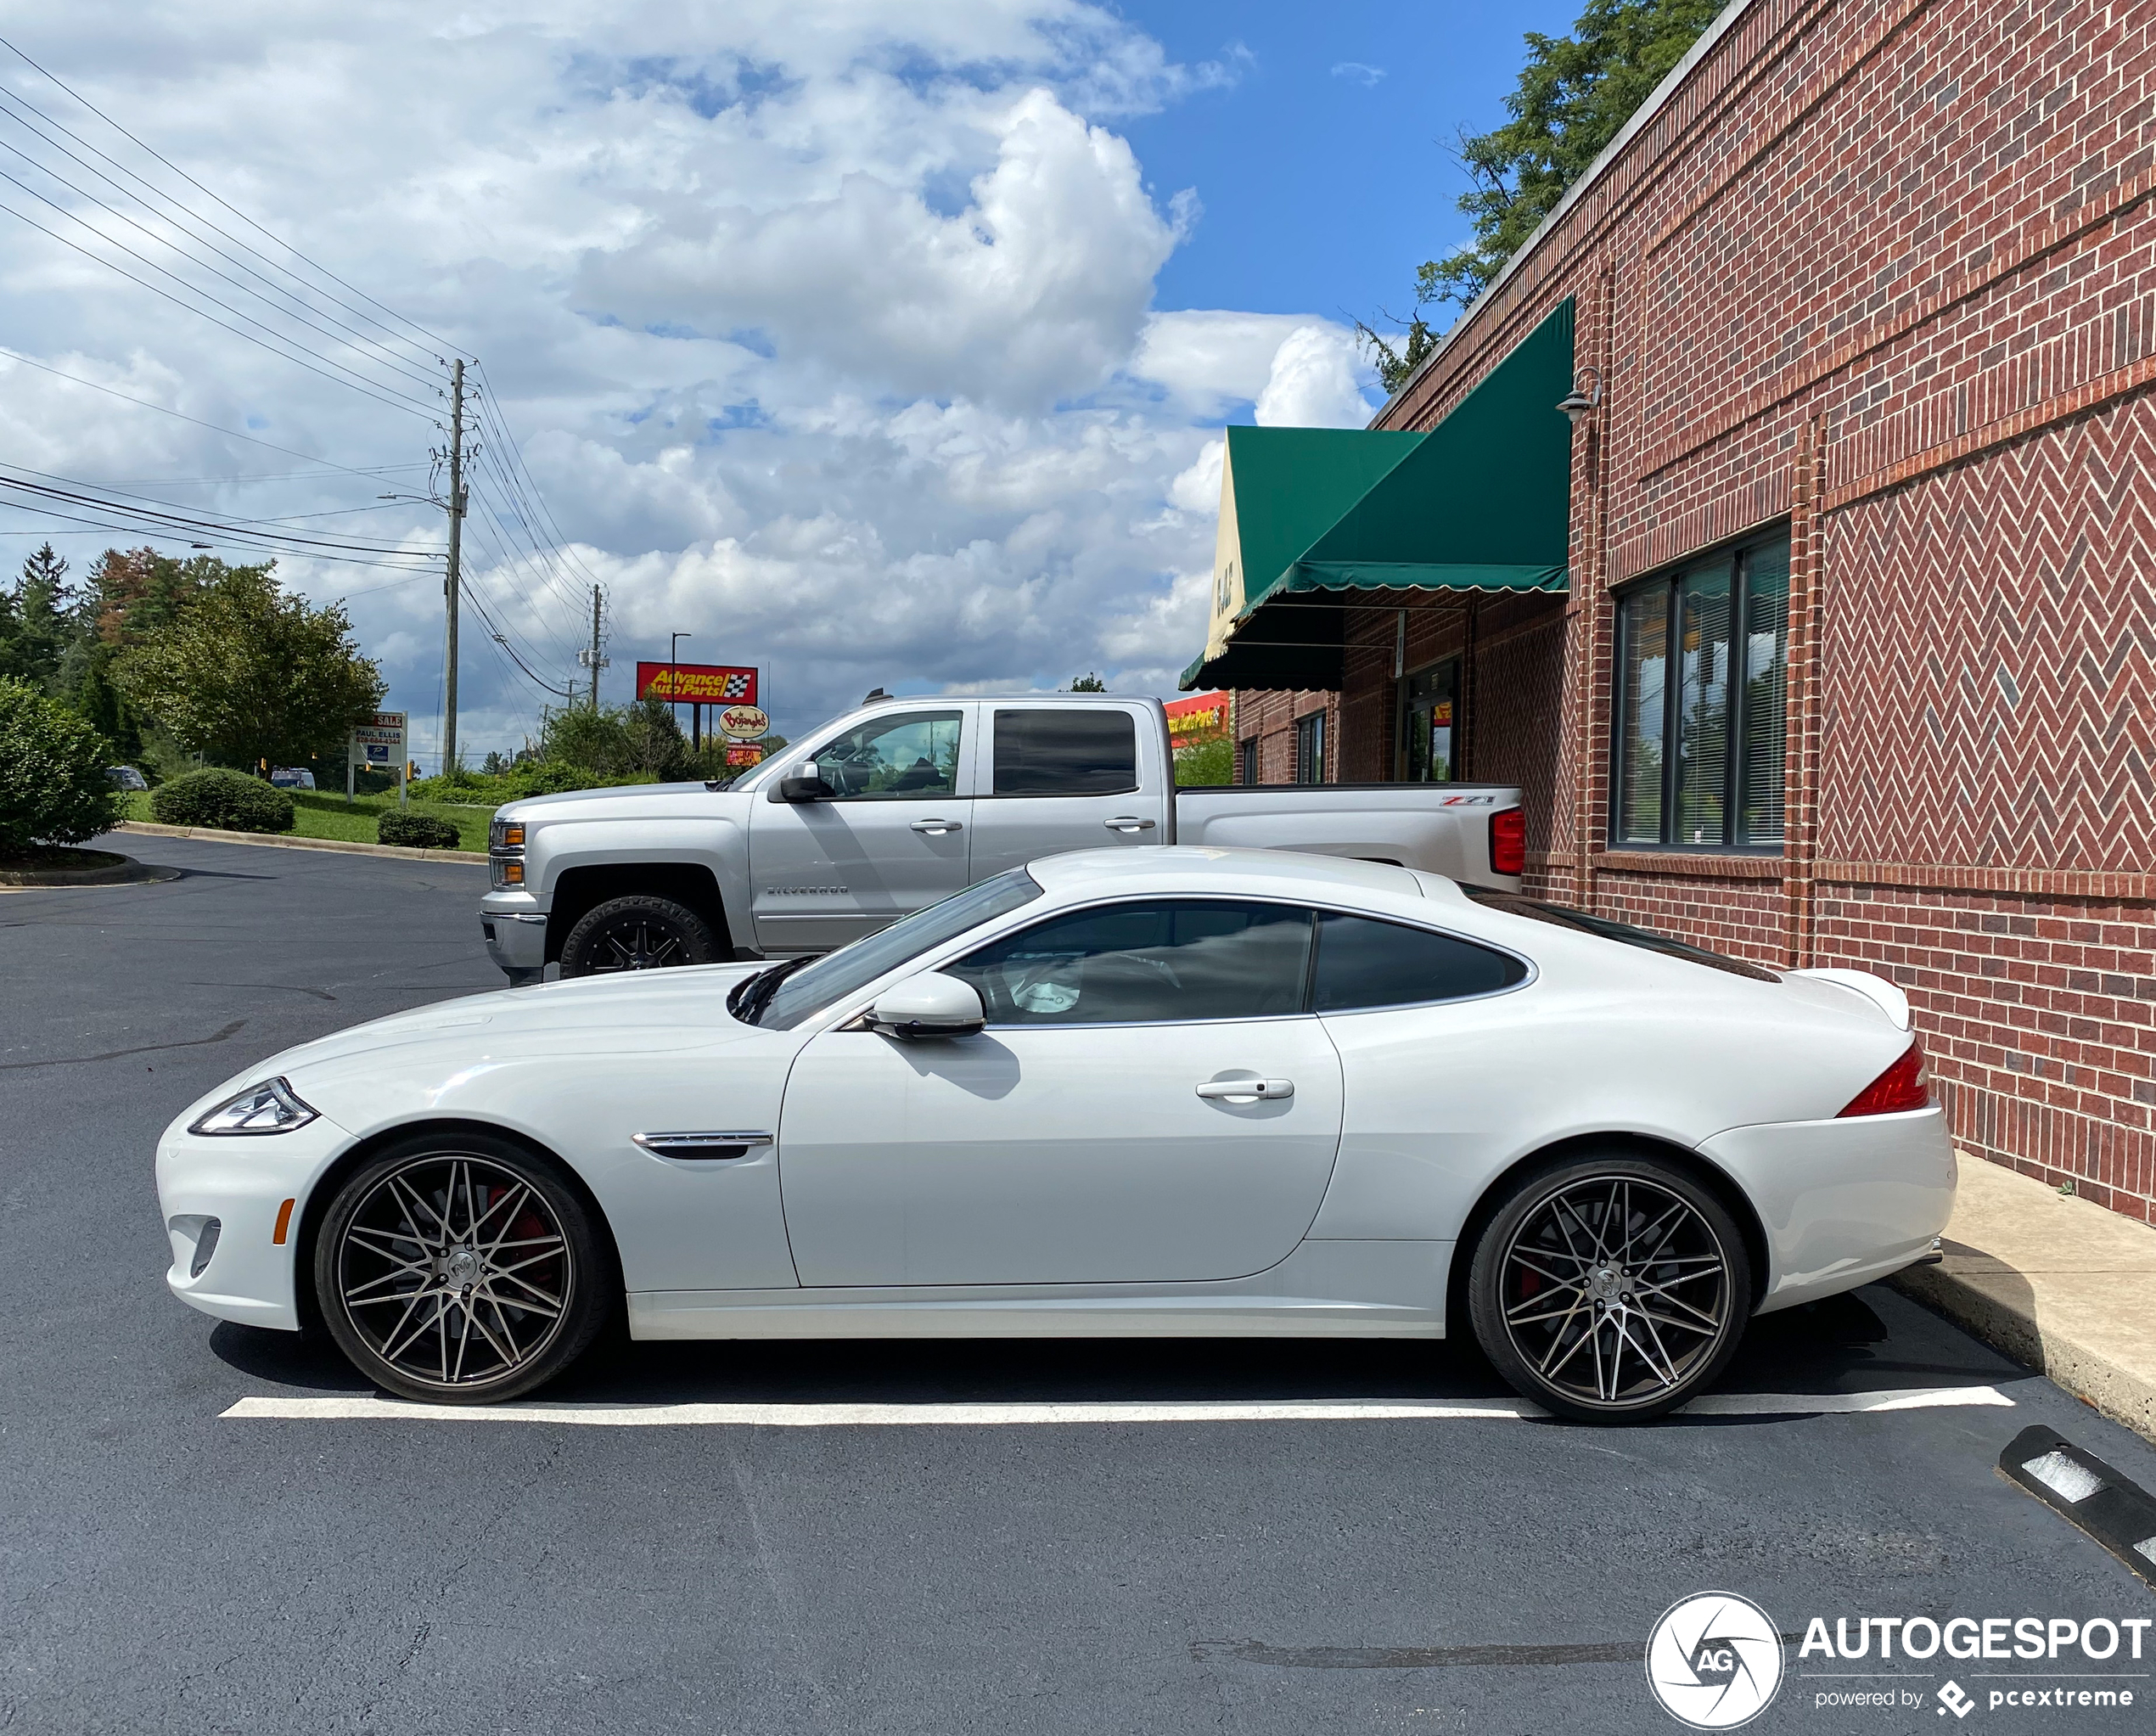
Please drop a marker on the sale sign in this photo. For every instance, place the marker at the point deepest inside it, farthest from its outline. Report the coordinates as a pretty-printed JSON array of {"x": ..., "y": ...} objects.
[{"x": 696, "y": 683}]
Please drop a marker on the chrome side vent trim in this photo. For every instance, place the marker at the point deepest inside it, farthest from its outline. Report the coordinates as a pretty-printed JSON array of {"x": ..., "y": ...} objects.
[{"x": 707, "y": 1147}]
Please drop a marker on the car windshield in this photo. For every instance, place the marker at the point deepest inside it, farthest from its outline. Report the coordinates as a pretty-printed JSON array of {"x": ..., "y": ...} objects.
[
  {"x": 808, "y": 989},
  {"x": 1563, "y": 916}
]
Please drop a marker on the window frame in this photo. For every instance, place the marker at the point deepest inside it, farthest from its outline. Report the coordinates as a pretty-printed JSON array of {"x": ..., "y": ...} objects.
[
  {"x": 960, "y": 770},
  {"x": 985, "y": 776},
  {"x": 1312, "y": 908},
  {"x": 1737, "y": 560},
  {"x": 1309, "y": 726},
  {"x": 1246, "y": 761}
]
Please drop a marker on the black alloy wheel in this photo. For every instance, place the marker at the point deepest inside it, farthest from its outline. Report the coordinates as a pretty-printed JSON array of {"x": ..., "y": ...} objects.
[
  {"x": 1610, "y": 1289},
  {"x": 459, "y": 1269},
  {"x": 640, "y": 932}
]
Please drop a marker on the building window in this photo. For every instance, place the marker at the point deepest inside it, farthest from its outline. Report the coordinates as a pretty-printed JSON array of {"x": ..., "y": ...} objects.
[
  {"x": 1703, "y": 662},
  {"x": 1429, "y": 724},
  {"x": 1310, "y": 749},
  {"x": 1246, "y": 757}
]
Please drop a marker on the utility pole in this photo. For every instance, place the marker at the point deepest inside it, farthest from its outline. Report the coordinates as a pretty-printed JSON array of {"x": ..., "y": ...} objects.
[
  {"x": 452, "y": 583},
  {"x": 591, "y": 659}
]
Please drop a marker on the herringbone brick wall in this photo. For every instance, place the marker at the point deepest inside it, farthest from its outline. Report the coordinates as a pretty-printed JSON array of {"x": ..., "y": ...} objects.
[{"x": 1990, "y": 655}]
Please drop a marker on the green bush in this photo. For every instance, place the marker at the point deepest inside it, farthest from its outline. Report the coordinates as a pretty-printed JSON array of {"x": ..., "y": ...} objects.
[
  {"x": 231, "y": 802},
  {"x": 52, "y": 785},
  {"x": 417, "y": 831}
]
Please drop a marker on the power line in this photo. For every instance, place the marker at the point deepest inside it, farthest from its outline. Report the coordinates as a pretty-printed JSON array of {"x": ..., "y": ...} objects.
[
  {"x": 395, "y": 362},
  {"x": 231, "y": 433},
  {"x": 439, "y": 343},
  {"x": 123, "y": 496},
  {"x": 411, "y": 407}
]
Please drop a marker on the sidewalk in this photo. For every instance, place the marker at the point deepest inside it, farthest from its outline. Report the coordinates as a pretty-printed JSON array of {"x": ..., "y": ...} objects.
[{"x": 2065, "y": 1286}]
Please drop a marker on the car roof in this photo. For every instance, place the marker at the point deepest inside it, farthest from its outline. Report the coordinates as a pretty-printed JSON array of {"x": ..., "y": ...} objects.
[{"x": 1185, "y": 868}]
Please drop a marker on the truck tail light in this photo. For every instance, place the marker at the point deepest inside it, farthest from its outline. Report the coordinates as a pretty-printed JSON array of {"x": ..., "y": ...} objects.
[
  {"x": 1508, "y": 841},
  {"x": 1901, "y": 1087}
]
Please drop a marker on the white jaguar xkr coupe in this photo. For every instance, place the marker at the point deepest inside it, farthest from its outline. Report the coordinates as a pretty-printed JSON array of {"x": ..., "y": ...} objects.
[{"x": 1177, "y": 1091}]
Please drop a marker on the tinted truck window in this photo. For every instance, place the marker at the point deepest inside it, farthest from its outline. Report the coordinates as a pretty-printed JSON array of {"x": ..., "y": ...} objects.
[
  {"x": 1362, "y": 962},
  {"x": 1080, "y": 751}
]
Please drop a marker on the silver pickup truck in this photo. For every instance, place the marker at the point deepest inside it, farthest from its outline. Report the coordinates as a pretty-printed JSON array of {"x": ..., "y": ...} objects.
[{"x": 904, "y": 802}]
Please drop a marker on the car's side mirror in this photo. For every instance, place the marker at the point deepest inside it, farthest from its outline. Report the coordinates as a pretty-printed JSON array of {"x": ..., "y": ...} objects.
[
  {"x": 930, "y": 1004},
  {"x": 801, "y": 783}
]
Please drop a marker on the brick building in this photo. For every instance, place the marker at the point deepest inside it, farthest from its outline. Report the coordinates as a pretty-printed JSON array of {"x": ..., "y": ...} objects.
[{"x": 1852, "y": 656}]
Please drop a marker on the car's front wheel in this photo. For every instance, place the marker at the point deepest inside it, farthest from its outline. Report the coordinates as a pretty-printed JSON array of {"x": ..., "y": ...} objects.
[
  {"x": 640, "y": 932},
  {"x": 1610, "y": 1289},
  {"x": 460, "y": 1270}
]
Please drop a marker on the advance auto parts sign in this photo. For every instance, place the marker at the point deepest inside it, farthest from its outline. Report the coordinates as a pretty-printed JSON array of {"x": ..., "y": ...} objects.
[
  {"x": 743, "y": 723},
  {"x": 697, "y": 684}
]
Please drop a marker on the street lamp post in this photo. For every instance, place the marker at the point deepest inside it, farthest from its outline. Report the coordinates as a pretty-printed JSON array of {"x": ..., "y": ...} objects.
[{"x": 696, "y": 712}]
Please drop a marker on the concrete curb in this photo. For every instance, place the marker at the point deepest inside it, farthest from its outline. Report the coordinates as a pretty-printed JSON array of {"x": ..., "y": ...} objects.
[
  {"x": 279, "y": 842},
  {"x": 2061, "y": 1285},
  {"x": 125, "y": 872}
]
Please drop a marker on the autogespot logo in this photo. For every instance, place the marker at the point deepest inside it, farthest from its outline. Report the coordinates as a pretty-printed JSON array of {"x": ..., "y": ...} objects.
[{"x": 1714, "y": 1660}]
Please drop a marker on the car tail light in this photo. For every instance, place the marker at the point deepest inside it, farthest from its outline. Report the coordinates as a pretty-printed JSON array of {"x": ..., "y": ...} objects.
[
  {"x": 1509, "y": 842},
  {"x": 1901, "y": 1087}
]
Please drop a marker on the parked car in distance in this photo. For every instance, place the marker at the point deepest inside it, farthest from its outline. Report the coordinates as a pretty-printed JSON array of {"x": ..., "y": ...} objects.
[
  {"x": 126, "y": 777},
  {"x": 291, "y": 777},
  {"x": 1177, "y": 1093},
  {"x": 903, "y": 801}
]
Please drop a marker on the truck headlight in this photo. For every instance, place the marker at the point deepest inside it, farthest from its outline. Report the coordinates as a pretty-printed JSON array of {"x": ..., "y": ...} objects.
[{"x": 271, "y": 1106}]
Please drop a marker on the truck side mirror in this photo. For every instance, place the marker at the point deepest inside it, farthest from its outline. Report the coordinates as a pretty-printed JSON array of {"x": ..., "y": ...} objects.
[
  {"x": 931, "y": 1005},
  {"x": 801, "y": 783}
]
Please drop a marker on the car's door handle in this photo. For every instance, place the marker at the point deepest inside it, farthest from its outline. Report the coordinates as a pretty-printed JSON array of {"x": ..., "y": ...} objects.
[
  {"x": 937, "y": 828},
  {"x": 1247, "y": 1090},
  {"x": 1128, "y": 822}
]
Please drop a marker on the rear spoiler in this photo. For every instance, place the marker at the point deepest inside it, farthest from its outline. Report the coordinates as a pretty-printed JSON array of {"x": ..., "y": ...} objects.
[{"x": 1878, "y": 989}]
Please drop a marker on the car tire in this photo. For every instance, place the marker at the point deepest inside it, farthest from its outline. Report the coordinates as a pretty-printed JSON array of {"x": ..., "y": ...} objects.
[
  {"x": 460, "y": 1268},
  {"x": 1610, "y": 1289},
  {"x": 640, "y": 932}
]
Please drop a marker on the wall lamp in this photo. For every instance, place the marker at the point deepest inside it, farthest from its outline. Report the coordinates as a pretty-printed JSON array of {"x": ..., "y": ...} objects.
[{"x": 1578, "y": 403}]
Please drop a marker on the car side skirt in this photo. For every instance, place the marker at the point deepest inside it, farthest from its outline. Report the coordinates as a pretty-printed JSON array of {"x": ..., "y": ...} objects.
[{"x": 1323, "y": 1289}]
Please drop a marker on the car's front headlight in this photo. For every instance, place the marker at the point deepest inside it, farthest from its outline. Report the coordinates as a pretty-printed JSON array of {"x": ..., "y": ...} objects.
[{"x": 271, "y": 1106}]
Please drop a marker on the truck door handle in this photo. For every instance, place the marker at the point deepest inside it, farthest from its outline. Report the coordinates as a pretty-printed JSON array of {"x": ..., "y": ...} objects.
[
  {"x": 937, "y": 828},
  {"x": 1247, "y": 1090},
  {"x": 1128, "y": 822}
]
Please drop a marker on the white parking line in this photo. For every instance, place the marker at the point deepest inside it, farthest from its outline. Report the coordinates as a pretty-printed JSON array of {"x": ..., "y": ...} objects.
[{"x": 368, "y": 1407}]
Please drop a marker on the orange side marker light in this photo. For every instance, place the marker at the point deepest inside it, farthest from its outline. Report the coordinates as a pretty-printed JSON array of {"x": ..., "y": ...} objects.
[{"x": 284, "y": 1221}]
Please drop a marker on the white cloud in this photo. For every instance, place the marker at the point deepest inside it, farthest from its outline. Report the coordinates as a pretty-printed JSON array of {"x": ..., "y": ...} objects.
[
  {"x": 827, "y": 328},
  {"x": 1316, "y": 381},
  {"x": 1356, "y": 70}
]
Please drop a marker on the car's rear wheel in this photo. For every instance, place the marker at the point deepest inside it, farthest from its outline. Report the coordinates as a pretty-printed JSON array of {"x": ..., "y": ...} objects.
[
  {"x": 640, "y": 932},
  {"x": 1610, "y": 1289},
  {"x": 460, "y": 1270}
]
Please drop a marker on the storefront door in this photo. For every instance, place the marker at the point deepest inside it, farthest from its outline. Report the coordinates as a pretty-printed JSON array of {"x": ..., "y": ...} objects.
[{"x": 1429, "y": 705}]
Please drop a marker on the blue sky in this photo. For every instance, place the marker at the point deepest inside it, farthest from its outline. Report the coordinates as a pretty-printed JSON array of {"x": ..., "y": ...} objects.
[{"x": 1323, "y": 189}]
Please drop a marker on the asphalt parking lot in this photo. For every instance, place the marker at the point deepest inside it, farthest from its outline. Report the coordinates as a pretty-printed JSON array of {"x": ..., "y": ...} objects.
[{"x": 974, "y": 1567}]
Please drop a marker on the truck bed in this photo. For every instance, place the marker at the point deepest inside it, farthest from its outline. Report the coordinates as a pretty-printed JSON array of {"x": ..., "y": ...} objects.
[{"x": 1443, "y": 828}]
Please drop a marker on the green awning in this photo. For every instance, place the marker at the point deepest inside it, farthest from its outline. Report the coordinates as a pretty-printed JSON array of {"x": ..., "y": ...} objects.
[{"x": 1480, "y": 504}]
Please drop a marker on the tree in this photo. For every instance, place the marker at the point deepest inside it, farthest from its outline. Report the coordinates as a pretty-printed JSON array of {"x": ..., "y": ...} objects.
[
  {"x": 38, "y": 620},
  {"x": 53, "y": 788},
  {"x": 244, "y": 674},
  {"x": 1575, "y": 95},
  {"x": 1087, "y": 684}
]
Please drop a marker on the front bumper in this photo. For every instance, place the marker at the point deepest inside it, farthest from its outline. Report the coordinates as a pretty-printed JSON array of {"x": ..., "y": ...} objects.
[
  {"x": 1842, "y": 1202},
  {"x": 242, "y": 1184},
  {"x": 515, "y": 930}
]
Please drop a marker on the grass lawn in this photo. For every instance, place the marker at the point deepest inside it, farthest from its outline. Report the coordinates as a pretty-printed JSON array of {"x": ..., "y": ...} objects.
[{"x": 319, "y": 814}]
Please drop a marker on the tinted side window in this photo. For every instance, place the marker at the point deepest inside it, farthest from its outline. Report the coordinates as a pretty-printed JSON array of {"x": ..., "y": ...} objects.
[
  {"x": 1141, "y": 963},
  {"x": 1362, "y": 962},
  {"x": 1080, "y": 751}
]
